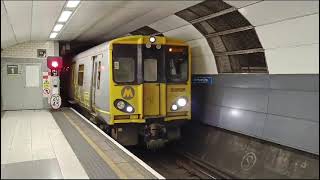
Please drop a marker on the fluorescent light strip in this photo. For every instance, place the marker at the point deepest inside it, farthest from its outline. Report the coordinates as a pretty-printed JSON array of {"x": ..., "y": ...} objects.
[
  {"x": 53, "y": 35},
  {"x": 72, "y": 4},
  {"x": 57, "y": 27},
  {"x": 65, "y": 16}
]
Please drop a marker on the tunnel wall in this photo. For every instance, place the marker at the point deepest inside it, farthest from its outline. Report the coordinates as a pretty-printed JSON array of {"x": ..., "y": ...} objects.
[
  {"x": 242, "y": 157},
  {"x": 280, "y": 108}
]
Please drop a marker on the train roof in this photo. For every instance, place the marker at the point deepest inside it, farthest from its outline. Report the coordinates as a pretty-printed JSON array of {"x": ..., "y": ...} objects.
[{"x": 104, "y": 46}]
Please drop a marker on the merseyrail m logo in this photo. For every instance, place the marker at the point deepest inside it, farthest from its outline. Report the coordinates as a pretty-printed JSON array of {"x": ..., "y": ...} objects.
[{"x": 127, "y": 92}]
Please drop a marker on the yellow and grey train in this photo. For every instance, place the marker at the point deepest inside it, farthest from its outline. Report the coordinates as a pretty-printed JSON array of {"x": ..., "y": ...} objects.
[{"x": 138, "y": 86}]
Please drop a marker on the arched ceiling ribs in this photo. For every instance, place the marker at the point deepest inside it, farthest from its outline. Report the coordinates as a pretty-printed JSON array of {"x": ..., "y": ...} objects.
[{"x": 231, "y": 37}]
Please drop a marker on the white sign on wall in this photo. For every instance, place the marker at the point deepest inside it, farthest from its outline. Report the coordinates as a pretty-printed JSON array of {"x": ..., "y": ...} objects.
[
  {"x": 32, "y": 75},
  {"x": 45, "y": 84}
]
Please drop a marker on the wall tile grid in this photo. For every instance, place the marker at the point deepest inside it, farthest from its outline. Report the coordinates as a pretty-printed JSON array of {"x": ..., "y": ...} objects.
[
  {"x": 280, "y": 108},
  {"x": 29, "y": 49}
]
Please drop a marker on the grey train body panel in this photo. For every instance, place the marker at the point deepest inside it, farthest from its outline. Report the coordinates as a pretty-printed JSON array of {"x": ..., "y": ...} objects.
[{"x": 98, "y": 97}]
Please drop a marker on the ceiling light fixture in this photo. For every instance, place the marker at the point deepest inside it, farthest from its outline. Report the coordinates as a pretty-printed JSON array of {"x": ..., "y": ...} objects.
[
  {"x": 57, "y": 27},
  {"x": 65, "y": 16},
  {"x": 53, "y": 35},
  {"x": 72, "y": 4}
]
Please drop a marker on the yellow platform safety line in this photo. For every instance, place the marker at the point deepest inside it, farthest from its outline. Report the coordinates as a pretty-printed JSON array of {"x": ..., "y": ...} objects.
[{"x": 105, "y": 157}]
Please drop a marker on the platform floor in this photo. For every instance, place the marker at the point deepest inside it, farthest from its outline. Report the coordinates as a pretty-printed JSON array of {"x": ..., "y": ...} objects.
[{"x": 63, "y": 144}]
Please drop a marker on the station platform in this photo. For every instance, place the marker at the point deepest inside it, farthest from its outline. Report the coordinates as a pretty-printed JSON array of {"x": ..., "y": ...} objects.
[{"x": 63, "y": 144}]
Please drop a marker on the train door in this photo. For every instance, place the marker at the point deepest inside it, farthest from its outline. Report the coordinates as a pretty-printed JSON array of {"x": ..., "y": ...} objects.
[
  {"x": 94, "y": 81},
  {"x": 151, "y": 62},
  {"x": 32, "y": 87}
]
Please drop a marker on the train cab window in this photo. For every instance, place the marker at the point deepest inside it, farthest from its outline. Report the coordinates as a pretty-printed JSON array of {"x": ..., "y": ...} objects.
[
  {"x": 150, "y": 69},
  {"x": 177, "y": 64},
  {"x": 80, "y": 74},
  {"x": 124, "y": 63},
  {"x": 124, "y": 70}
]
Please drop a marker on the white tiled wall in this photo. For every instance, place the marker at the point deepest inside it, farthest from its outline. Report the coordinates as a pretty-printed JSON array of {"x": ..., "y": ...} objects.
[
  {"x": 204, "y": 64},
  {"x": 187, "y": 33},
  {"x": 294, "y": 60},
  {"x": 266, "y": 12},
  {"x": 168, "y": 23},
  {"x": 292, "y": 32},
  {"x": 29, "y": 49},
  {"x": 289, "y": 33}
]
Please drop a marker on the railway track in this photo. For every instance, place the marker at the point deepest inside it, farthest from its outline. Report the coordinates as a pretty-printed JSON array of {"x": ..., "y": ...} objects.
[{"x": 173, "y": 165}]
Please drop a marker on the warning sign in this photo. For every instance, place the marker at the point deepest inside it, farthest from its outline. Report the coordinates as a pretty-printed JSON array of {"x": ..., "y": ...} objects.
[{"x": 46, "y": 84}]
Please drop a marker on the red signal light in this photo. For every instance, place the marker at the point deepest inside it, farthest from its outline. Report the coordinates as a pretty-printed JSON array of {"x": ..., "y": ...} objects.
[{"x": 54, "y": 63}]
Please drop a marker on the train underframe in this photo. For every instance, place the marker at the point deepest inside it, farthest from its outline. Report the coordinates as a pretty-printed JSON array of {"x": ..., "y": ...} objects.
[{"x": 155, "y": 133}]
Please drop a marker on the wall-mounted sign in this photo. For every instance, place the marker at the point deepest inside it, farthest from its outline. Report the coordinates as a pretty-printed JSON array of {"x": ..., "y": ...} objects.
[
  {"x": 45, "y": 84},
  {"x": 12, "y": 69},
  {"x": 202, "y": 80},
  {"x": 55, "y": 101},
  {"x": 41, "y": 53}
]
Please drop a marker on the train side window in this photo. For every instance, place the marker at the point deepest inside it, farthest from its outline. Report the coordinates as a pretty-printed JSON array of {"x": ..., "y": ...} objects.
[
  {"x": 80, "y": 74},
  {"x": 99, "y": 74}
]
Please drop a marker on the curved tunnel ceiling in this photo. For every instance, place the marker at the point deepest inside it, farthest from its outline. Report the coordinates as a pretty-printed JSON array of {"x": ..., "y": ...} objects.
[
  {"x": 23, "y": 21},
  {"x": 227, "y": 36}
]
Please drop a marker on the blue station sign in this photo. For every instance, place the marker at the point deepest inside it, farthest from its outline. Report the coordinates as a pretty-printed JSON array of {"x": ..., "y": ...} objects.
[{"x": 202, "y": 80}]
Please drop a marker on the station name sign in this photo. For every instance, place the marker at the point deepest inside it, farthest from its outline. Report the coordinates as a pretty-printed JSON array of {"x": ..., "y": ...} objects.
[{"x": 202, "y": 80}]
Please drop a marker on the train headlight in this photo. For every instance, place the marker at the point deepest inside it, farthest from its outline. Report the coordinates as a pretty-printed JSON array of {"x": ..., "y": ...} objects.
[
  {"x": 129, "y": 109},
  {"x": 152, "y": 39},
  {"x": 182, "y": 102},
  {"x": 174, "y": 107},
  {"x": 120, "y": 105}
]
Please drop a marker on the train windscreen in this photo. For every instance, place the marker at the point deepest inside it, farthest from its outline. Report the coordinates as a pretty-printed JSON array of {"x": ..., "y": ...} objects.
[
  {"x": 177, "y": 63},
  {"x": 124, "y": 63}
]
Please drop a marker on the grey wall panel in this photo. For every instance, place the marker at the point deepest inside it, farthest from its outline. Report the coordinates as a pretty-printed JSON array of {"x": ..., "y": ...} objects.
[
  {"x": 211, "y": 116},
  {"x": 247, "y": 122},
  {"x": 299, "y": 82},
  {"x": 242, "y": 81},
  {"x": 214, "y": 96},
  {"x": 316, "y": 107},
  {"x": 242, "y": 98},
  {"x": 293, "y": 132},
  {"x": 283, "y": 96},
  {"x": 298, "y": 104},
  {"x": 316, "y": 81}
]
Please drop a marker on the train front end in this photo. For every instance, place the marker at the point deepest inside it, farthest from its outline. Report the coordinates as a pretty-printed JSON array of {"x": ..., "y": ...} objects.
[{"x": 150, "y": 89}]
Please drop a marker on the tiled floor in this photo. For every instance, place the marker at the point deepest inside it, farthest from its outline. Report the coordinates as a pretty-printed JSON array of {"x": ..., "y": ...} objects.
[{"x": 33, "y": 146}]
